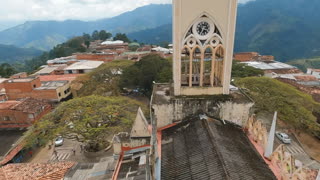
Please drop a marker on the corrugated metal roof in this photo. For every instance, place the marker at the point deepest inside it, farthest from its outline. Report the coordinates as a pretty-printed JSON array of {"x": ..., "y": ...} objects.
[
  {"x": 84, "y": 65},
  {"x": 269, "y": 66}
]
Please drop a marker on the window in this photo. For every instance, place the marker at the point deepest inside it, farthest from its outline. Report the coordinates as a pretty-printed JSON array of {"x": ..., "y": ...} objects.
[
  {"x": 59, "y": 94},
  {"x": 202, "y": 56},
  {"x": 185, "y": 66},
  {"x": 6, "y": 118},
  {"x": 30, "y": 116},
  {"x": 81, "y": 71},
  {"x": 70, "y": 72},
  {"x": 34, "y": 86}
]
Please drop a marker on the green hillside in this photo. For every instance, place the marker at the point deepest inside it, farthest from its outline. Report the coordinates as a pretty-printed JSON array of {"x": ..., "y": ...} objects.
[
  {"x": 303, "y": 64},
  {"x": 294, "y": 107},
  {"x": 11, "y": 54}
]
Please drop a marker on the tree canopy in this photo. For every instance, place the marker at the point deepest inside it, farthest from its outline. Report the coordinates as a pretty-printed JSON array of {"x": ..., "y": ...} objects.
[
  {"x": 102, "y": 81},
  {"x": 6, "y": 70},
  {"x": 92, "y": 119},
  {"x": 243, "y": 70},
  {"x": 142, "y": 74},
  {"x": 122, "y": 37}
]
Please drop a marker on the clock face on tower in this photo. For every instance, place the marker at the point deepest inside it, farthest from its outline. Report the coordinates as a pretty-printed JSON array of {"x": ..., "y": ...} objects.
[{"x": 203, "y": 28}]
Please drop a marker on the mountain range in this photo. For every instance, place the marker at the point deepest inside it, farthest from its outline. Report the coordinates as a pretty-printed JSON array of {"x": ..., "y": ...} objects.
[
  {"x": 46, "y": 34},
  {"x": 10, "y": 54},
  {"x": 287, "y": 29}
]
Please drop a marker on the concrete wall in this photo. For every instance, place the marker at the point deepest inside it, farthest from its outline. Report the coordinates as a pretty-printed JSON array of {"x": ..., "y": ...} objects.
[{"x": 181, "y": 108}]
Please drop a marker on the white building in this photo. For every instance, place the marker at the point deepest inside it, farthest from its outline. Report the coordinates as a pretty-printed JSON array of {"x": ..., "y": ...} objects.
[
  {"x": 314, "y": 72},
  {"x": 82, "y": 67}
]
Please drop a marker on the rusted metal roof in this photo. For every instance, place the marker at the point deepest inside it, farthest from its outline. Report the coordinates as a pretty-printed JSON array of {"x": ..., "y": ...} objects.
[{"x": 198, "y": 149}]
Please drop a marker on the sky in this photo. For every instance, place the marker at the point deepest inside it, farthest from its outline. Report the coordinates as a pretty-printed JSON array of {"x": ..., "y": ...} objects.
[{"x": 14, "y": 12}]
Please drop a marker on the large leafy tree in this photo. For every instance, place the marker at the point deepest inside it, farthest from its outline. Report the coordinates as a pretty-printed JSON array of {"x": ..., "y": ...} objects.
[
  {"x": 103, "y": 35},
  {"x": 102, "y": 81},
  {"x": 91, "y": 119},
  {"x": 6, "y": 70},
  {"x": 243, "y": 70},
  {"x": 122, "y": 37},
  {"x": 143, "y": 73}
]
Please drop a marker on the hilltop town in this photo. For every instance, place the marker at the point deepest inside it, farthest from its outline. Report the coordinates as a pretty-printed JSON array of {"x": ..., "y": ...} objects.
[{"x": 107, "y": 107}]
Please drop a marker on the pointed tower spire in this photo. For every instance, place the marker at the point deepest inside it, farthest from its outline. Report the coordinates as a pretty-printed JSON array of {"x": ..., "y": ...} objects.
[{"x": 269, "y": 148}]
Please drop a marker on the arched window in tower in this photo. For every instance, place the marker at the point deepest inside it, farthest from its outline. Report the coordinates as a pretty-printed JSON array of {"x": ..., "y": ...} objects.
[
  {"x": 196, "y": 66},
  {"x": 185, "y": 66},
  {"x": 201, "y": 52},
  {"x": 218, "y": 66},
  {"x": 207, "y": 63}
]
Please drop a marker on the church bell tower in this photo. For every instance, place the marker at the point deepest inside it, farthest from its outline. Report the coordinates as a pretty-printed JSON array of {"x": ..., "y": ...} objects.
[{"x": 203, "y": 40}]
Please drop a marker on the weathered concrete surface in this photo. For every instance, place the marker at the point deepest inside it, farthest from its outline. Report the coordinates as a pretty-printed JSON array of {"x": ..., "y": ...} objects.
[{"x": 169, "y": 109}]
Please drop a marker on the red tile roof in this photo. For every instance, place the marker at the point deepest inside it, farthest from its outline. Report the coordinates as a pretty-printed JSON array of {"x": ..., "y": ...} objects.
[
  {"x": 65, "y": 77},
  {"x": 8, "y": 104},
  {"x": 35, "y": 171}
]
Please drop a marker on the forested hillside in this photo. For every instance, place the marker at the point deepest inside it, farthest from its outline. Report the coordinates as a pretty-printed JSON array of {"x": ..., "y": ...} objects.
[{"x": 11, "y": 54}]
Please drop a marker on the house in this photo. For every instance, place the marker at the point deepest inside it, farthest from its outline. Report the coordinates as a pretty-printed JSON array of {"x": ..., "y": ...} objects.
[
  {"x": 252, "y": 56},
  {"x": 314, "y": 72},
  {"x": 105, "y": 56},
  {"x": 19, "y": 75},
  {"x": 62, "y": 60},
  {"x": 52, "y": 70},
  {"x": 272, "y": 68},
  {"x": 64, "y": 77},
  {"x": 21, "y": 88},
  {"x": 53, "y": 91},
  {"x": 82, "y": 67},
  {"x": 22, "y": 114}
]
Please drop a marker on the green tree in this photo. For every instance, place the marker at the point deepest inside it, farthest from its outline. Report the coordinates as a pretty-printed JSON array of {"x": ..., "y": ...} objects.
[
  {"x": 102, "y": 81},
  {"x": 92, "y": 119},
  {"x": 142, "y": 74},
  {"x": 86, "y": 37},
  {"x": 242, "y": 70},
  {"x": 95, "y": 35},
  {"x": 6, "y": 70},
  {"x": 122, "y": 37},
  {"x": 103, "y": 35}
]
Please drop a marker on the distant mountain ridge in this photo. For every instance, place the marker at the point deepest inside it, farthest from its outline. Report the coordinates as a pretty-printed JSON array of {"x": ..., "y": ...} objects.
[
  {"x": 11, "y": 54},
  {"x": 46, "y": 34},
  {"x": 287, "y": 29}
]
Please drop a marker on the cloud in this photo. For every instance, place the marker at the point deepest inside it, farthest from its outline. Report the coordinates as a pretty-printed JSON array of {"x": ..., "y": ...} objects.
[{"x": 17, "y": 10}]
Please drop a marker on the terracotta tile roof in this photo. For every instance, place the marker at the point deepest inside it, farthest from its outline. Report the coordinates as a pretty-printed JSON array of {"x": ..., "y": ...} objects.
[
  {"x": 30, "y": 105},
  {"x": 8, "y": 104},
  {"x": 35, "y": 171},
  {"x": 65, "y": 77}
]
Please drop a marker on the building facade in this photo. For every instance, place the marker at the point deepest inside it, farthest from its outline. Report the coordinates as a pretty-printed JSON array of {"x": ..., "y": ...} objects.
[
  {"x": 21, "y": 114},
  {"x": 203, "y": 36}
]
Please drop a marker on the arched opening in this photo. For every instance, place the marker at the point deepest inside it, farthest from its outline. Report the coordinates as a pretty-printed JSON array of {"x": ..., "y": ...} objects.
[
  {"x": 218, "y": 67},
  {"x": 196, "y": 66},
  {"x": 207, "y": 69},
  {"x": 185, "y": 66}
]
